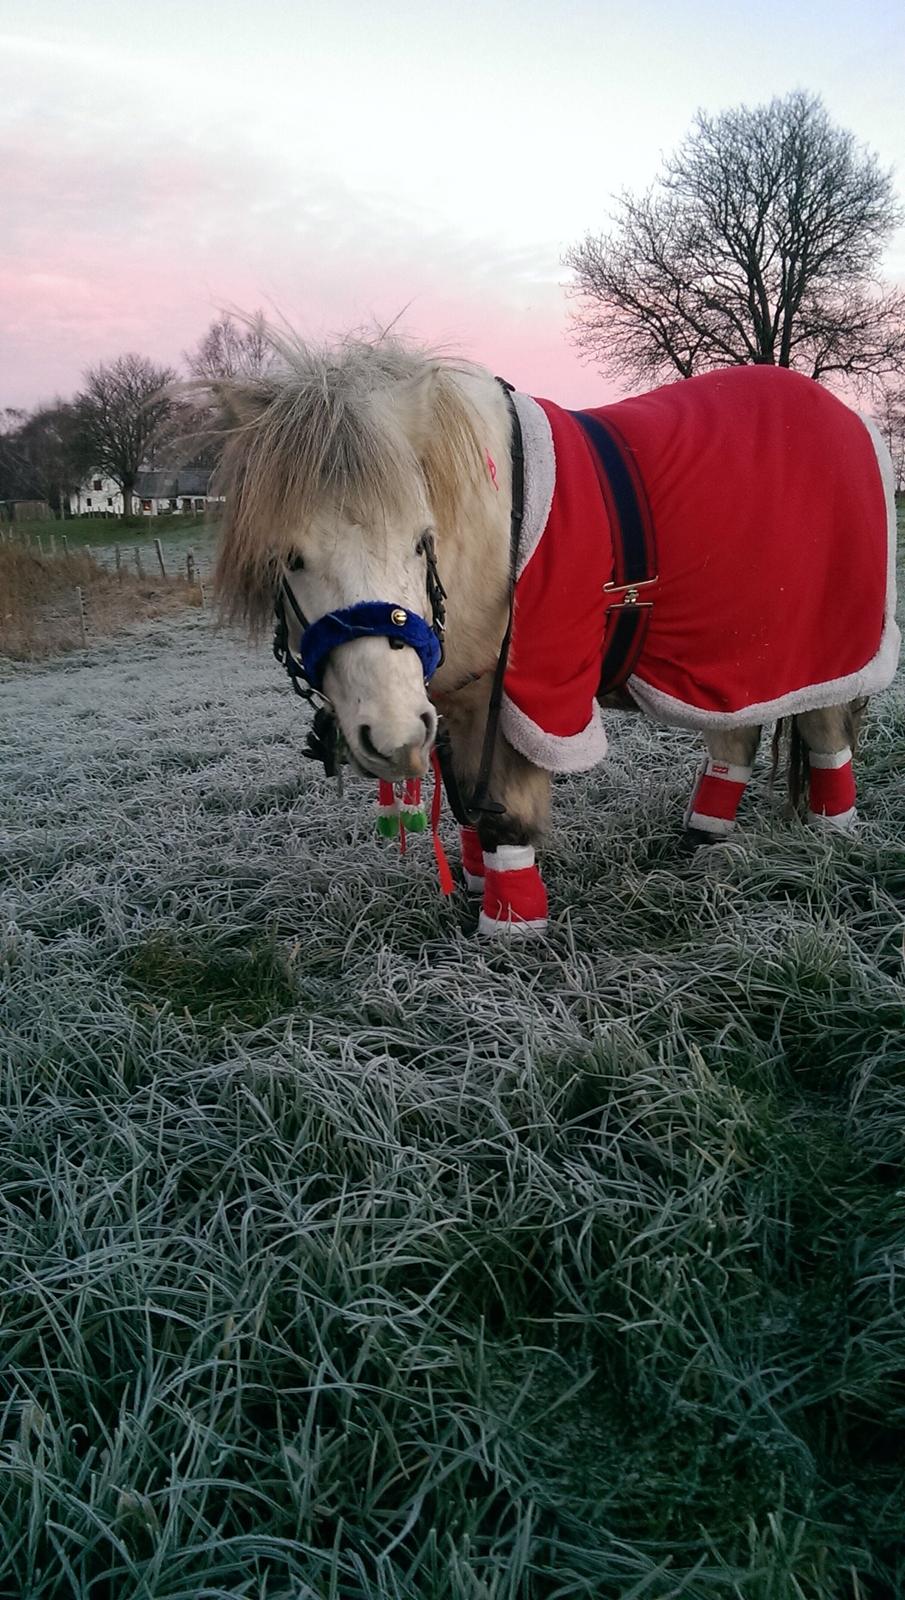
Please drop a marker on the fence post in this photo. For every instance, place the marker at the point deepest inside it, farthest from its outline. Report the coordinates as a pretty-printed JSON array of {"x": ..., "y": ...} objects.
[
  {"x": 65, "y": 543},
  {"x": 201, "y": 592},
  {"x": 119, "y": 562},
  {"x": 157, "y": 547},
  {"x": 138, "y": 566},
  {"x": 78, "y": 595},
  {"x": 190, "y": 566}
]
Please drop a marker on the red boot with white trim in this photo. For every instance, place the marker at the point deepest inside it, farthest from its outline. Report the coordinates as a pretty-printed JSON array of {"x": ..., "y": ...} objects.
[
  {"x": 515, "y": 900},
  {"x": 831, "y": 794},
  {"x": 716, "y": 798}
]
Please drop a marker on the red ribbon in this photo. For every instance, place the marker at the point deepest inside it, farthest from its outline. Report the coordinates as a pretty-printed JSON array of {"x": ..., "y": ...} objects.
[{"x": 443, "y": 868}]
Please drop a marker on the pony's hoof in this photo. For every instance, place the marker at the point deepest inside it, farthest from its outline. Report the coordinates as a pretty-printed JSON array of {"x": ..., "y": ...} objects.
[
  {"x": 510, "y": 927},
  {"x": 693, "y": 838}
]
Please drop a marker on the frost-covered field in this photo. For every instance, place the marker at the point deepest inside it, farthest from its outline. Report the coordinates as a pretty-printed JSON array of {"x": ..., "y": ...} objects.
[{"x": 344, "y": 1257}]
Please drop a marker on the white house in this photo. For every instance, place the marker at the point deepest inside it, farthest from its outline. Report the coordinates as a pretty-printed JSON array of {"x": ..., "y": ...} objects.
[
  {"x": 98, "y": 496},
  {"x": 158, "y": 492},
  {"x": 169, "y": 491}
]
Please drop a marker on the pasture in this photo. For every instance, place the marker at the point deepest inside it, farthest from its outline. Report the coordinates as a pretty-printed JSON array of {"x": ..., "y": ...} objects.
[{"x": 343, "y": 1256}]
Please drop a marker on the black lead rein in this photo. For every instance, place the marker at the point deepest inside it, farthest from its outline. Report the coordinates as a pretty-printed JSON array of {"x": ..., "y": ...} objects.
[{"x": 481, "y": 802}]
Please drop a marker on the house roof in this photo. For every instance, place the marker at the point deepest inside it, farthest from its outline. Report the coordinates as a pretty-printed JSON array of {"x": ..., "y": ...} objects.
[
  {"x": 165, "y": 484},
  {"x": 194, "y": 480},
  {"x": 156, "y": 485}
]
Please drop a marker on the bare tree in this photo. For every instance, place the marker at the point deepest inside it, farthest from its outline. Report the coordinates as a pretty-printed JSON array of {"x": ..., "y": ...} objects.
[
  {"x": 889, "y": 414},
  {"x": 41, "y": 451},
  {"x": 759, "y": 243},
  {"x": 15, "y": 483},
  {"x": 230, "y": 349},
  {"x": 121, "y": 414}
]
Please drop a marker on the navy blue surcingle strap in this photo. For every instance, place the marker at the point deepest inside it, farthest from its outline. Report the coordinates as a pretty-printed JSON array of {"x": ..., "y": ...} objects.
[
  {"x": 634, "y": 551},
  {"x": 369, "y": 619}
]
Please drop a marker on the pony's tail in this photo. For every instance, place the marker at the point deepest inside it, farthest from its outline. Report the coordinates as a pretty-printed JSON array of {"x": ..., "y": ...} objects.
[{"x": 798, "y": 772}]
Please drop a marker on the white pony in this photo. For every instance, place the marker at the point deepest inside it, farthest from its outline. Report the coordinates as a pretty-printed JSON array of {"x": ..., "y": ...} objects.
[{"x": 717, "y": 554}]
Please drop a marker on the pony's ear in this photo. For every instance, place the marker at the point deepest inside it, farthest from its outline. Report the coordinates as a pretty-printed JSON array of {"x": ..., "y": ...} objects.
[{"x": 416, "y": 399}]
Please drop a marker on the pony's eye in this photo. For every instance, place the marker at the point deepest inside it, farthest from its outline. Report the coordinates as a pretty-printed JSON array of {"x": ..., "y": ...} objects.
[{"x": 296, "y": 562}]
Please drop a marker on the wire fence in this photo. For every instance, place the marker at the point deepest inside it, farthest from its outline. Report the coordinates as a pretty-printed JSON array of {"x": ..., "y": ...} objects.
[
  {"x": 61, "y": 594},
  {"x": 167, "y": 557}
]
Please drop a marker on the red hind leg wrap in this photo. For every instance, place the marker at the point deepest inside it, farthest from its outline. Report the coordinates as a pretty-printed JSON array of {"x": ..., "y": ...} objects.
[
  {"x": 832, "y": 788},
  {"x": 472, "y": 860},
  {"x": 515, "y": 900},
  {"x": 716, "y": 797}
]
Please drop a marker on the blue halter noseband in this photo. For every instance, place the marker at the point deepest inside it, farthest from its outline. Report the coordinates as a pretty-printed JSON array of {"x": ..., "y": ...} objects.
[{"x": 368, "y": 619}]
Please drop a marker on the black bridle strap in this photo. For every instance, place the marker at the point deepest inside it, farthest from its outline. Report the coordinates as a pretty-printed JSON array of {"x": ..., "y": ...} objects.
[
  {"x": 481, "y": 801},
  {"x": 286, "y": 589}
]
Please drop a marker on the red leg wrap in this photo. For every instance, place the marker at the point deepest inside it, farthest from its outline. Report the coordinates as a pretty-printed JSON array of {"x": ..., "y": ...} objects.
[
  {"x": 472, "y": 859},
  {"x": 832, "y": 790},
  {"x": 716, "y": 797},
  {"x": 515, "y": 899}
]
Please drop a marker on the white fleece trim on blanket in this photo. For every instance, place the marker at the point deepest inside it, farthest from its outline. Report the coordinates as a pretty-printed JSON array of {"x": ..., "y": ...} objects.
[
  {"x": 555, "y": 752},
  {"x": 540, "y": 474},
  {"x": 873, "y": 677}
]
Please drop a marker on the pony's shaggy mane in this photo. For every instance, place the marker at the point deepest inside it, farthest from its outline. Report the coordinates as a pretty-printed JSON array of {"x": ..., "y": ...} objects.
[{"x": 314, "y": 430}]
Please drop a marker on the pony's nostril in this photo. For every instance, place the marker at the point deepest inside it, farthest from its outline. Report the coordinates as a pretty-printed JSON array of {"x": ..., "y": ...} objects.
[
  {"x": 367, "y": 743},
  {"x": 427, "y": 718}
]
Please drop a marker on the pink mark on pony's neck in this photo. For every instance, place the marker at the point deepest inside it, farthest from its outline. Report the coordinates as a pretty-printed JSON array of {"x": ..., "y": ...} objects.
[{"x": 491, "y": 468}]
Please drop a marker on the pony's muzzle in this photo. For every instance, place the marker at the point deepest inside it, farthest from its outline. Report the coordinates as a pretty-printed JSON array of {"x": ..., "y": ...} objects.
[{"x": 408, "y": 759}]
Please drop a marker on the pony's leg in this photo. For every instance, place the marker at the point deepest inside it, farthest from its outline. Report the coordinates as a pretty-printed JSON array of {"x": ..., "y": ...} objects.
[
  {"x": 498, "y": 855},
  {"x": 829, "y": 737},
  {"x": 720, "y": 784},
  {"x": 514, "y": 900}
]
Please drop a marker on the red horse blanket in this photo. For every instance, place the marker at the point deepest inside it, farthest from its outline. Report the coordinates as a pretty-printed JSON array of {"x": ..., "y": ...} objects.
[{"x": 773, "y": 517}]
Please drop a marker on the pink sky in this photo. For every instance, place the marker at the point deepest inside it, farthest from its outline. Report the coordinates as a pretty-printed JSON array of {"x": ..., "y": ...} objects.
[{"x": 342, "y": 164}]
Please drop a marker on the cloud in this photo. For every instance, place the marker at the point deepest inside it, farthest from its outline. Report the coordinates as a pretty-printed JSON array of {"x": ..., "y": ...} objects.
[{"x": 110, "y": 247}]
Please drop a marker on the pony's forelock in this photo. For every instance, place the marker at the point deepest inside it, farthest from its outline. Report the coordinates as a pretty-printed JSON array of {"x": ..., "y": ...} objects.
[{"x": 322, "y": 427}]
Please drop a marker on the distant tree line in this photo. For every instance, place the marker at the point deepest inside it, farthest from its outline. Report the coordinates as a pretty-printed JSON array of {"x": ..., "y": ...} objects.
[{"x": 128, "y": 415}]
